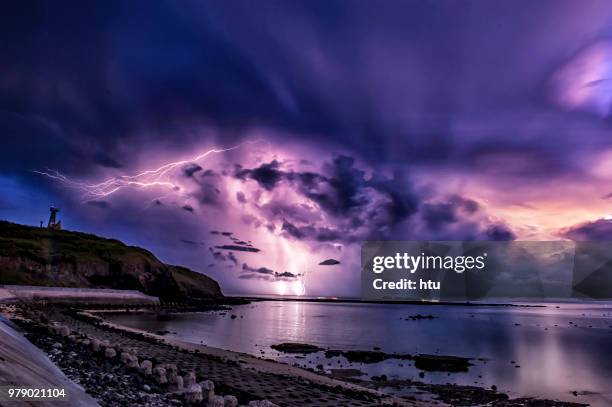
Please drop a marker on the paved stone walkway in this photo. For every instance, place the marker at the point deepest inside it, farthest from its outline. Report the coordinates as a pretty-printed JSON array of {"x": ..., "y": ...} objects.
[{"x": 231, "y": 377}]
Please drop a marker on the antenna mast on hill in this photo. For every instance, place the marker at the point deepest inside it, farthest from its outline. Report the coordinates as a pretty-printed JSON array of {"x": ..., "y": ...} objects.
[{"x": 53, "y": 223}]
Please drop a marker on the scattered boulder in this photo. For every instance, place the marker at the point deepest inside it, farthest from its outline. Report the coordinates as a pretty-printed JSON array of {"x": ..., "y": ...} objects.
[
  {"x": 190, "y": 379},
  {"x": 146, "y": 367},
  {"x": 216, "y": 401},
  {"x": 170, "y": 367},
  {"x": 132, "y": 362},
  {"x": 110, "y": 353},
  {"x": 160, "y": 375},
  {"x": 175, "y": 381},
  {"x": 208, "y": 389},
  {"x": 124, "y": 356},
  {"x": 230, "y": 401},
  {"x": 193, "y": 395}
]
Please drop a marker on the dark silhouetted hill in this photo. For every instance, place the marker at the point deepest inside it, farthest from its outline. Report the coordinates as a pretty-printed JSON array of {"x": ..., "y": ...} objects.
[{"x": 39, "y": 256}]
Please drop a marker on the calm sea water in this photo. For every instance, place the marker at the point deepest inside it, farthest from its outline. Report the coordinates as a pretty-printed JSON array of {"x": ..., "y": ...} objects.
[{"x": 561, "y": 348}]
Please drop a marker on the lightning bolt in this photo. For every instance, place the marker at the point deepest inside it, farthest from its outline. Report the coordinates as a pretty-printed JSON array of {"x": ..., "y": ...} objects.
[{"x": 157, "y": 177}]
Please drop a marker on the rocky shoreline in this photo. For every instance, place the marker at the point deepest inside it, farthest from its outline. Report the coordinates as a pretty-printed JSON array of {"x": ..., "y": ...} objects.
[
  {"x": 109, "y": 383},
  {"x": 120, "y": 367},
  {"x": 123, "y": 367},
  {"x": 453, "y": 394}
]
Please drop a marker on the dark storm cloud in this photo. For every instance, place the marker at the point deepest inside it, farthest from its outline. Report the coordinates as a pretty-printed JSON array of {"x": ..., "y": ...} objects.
[
  {"x": 320, "y": 234},
  {"x": 359, "y": 207},
  {"x": 329, "y": 262},
  {"x": 238, "y": 248},
  {"x": 208, "y": 194},
  {"x": 218, "y": 256},
  {"x": 432, "y": 89},
  {"x": 191, "y": 169},
  {"x": 342, "y": 191},
  {"x": 209, "y": 185},
  {"x": 231, "y": 257},
  {"x": 264, "y": 273},
  {"x": 391, "y": 82},
  {"x": 600, "y": 229},
  {"x": 437, "y": 215},
  {"x": 260, "y": 270},
  {"x": 498, "y": 232},
  {"x": 266, "y": 175}
]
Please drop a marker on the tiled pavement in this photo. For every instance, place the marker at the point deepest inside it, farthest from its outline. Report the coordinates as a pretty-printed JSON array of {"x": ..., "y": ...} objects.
[{"x": 232, "y": 378}]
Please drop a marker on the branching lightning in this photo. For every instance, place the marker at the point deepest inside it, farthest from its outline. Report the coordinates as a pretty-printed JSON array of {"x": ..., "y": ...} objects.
[{"x": 158, "y": 177}]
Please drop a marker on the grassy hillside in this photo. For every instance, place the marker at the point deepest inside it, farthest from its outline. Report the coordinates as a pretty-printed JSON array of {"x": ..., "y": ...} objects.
[{"x": 38, "y": 256}]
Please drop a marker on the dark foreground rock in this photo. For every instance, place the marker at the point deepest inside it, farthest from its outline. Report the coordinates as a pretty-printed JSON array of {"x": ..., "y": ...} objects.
[
  {"x": 441, "y": 363},
  {"x": 292, "y": 347},
  {"x": 366, "y": 356},
  {"x": 467, "y": 396},
  {"x": 418, "y": 317}
]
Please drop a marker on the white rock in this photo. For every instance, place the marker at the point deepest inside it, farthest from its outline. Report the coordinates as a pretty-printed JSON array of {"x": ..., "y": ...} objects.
[
  {"x": 190, "y": 378},
  {"x": 175, "y": 381},
  {"x": 146, "y": 367},
  {"x": 216, "y": 401},
  {"x": 208, "y": 389},
  {"x": 179, "y": 385},
  {"x": 194, "y": 394},
  {"x": 160, "y": 375}
]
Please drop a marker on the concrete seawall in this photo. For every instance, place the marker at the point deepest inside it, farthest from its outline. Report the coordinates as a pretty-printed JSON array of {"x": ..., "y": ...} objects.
[
  {"x": 22, "y": 364},
  {"x": 10, "y": 293}
]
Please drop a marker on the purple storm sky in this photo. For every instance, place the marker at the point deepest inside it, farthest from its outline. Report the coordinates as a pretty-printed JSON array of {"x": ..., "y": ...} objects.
[{"x": 253, "y": 141}]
